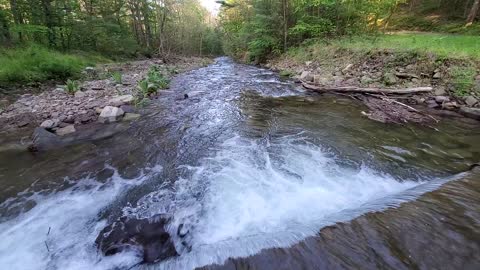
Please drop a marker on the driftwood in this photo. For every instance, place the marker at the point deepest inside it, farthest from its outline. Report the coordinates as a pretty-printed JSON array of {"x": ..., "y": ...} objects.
[
  {"x": 406, "y": 106},
  {"x": 349, "y": 89}
]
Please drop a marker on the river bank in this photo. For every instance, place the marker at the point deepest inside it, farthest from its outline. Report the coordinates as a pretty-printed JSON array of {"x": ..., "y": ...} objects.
[
  {"x": 454, "y": 81},
  {"x": 109, "y": 93}
]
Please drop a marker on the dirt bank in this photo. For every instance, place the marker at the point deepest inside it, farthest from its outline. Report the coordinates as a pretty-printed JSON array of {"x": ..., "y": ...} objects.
[{"x": 455, "y": 84}]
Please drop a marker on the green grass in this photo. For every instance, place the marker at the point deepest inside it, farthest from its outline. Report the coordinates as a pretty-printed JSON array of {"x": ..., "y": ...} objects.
[
  {"x": 37, "y": 64},
  {"x": 443, "y": 45},
  {"x": 463, "y": 80}
]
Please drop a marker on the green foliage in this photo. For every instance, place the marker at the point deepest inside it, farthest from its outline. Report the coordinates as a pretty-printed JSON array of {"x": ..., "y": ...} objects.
[
  {"x": 35, "y": 64},
  {"x": 262, "y": 28},
  {"x": 157, "y": 79},
  {"x": 154, "y": 81},
  {"x": 463, "y": 80},
  {"x": 117, "y": 77},
  {"x": 71, "y": 87}
]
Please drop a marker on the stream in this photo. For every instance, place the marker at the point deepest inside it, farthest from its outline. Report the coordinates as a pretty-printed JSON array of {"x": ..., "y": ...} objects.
[{"x": 261, "y": 174}]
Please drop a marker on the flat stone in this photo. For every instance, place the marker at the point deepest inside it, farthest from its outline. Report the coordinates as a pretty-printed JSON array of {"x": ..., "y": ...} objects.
[
  {"x": 131, "y": 116},
  {"x": 440, "y": 91},
  {"x": 470, "y": 112},
  {"x": 442, "y": 99},
  {"x": 65, "y": 130},
  {"x": 80, "y": 94},
  {"x": 306, "y": 76},
  {"x": 120, "y": 100},
  {"x": 471, "y": 101},
  {"x": 110, "y": 114},
  {"x": 450, "y": 105},
  {"x": 437, "y": 75}
]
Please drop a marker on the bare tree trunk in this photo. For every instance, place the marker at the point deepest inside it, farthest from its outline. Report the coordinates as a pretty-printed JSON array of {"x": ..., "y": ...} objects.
[
  {"x": 285, "y": 25},
  {"x": 473, "y": 12}
]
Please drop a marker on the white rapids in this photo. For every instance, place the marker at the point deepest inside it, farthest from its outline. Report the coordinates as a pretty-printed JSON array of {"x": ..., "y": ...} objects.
[{"x": 251, "y": 195}]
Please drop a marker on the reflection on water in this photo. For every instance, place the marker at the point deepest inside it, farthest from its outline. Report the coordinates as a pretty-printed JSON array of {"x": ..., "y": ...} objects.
[{"x": 249, "y": 163}]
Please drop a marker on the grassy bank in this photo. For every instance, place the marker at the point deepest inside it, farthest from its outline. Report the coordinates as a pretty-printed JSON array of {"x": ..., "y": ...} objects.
[
  {"x": 442, "y": 45},
  {"x": 37, "y": 64},
  {"x": 443, "y": 60}
]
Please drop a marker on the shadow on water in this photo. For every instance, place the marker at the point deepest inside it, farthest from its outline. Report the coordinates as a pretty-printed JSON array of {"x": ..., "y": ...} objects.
[{"x": 251, "y": 165}]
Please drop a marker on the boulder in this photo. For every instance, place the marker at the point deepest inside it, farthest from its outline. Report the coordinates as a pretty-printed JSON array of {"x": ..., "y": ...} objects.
[
  {"x": 440, "y": 91},
  {"x": 65, "y": 130},
  {"x": 121, "y": 100},
  {"x": 131, "y": 116},
  {"x": 470, "y": 112},
  {"x": 437, "y": 75},
  {"x": 471, "y": 101},
  {"x": 389, "y": 78},
  {"x": 110, "y": 114},
  {"x": 306, "y": 76},
  {"x": 148, "y": 237},
  {"x": 50, "y": 123},
  {"x": 442, "y": 99},
  {"x": 44, "y": 140}
]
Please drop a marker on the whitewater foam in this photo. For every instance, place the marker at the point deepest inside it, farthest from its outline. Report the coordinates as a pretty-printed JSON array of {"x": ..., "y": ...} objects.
[{"x": 60, "y": 231}]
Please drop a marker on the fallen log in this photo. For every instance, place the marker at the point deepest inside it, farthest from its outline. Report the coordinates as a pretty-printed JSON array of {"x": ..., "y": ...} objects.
[{"x": 354, "y": 89}]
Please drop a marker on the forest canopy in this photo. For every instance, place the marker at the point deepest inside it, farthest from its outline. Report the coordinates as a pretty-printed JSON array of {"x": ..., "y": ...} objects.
[
  {"x": 255, "y": 29},
  {"x": 113, "y": 28}
]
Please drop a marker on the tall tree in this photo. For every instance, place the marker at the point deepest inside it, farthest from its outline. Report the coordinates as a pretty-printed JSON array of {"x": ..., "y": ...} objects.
[{"x": 473, "y": 12}]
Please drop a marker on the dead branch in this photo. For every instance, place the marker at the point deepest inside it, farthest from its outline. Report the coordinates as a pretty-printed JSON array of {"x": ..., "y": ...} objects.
[{"x": 347, "y": 89}]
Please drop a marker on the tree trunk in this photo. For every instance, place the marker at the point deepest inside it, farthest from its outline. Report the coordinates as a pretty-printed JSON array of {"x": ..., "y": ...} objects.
[
  {"x": 17, "y": 16},
  {"x": 4, "y": 29},
  {"x": 49, "y": 21},
  {"x": 285, "y": 25},
  {"x": 473, "y": 12}
]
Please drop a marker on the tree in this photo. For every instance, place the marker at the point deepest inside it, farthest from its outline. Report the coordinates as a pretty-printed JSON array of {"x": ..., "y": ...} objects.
[{"x": 473, "y": 12}]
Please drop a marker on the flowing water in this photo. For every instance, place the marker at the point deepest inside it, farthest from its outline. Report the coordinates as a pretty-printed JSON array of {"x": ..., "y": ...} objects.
[{"x": 261, "y": 174}]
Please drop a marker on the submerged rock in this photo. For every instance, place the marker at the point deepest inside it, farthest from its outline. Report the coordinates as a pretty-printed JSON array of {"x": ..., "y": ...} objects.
[
  {"x": 65, "y": 130},
  {"x": 146, "y": 236},
  {"x": 131, "y": 116}
]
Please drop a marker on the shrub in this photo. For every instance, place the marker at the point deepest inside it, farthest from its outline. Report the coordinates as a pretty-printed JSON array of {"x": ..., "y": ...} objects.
[
  {"x": 71, "y": 86},
  {"x": 117, "y": 77}
]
